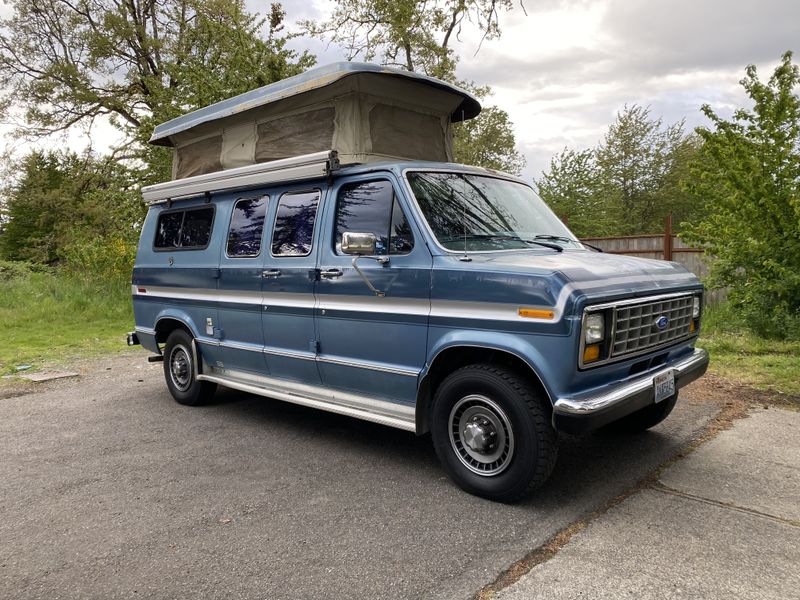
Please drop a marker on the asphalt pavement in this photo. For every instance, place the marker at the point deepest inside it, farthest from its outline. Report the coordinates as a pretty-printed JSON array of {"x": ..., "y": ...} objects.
[{"x": 110, "y": 489}]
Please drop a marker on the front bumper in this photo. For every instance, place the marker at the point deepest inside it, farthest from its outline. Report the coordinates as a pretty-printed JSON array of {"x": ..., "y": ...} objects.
[{"x": 579, "y": 414}]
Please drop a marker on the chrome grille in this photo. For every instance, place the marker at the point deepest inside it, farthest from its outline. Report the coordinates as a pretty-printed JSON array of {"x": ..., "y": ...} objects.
[{"x": 635, "y": 324}]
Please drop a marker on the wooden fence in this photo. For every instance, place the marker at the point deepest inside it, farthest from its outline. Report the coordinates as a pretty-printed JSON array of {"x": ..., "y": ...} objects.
[{"x": 663, "y": 246}]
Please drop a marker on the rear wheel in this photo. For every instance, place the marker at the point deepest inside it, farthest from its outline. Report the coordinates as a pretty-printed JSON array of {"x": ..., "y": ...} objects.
[
  {"x": 492, "y": 433},
  {"x": 179, "y": 371}
]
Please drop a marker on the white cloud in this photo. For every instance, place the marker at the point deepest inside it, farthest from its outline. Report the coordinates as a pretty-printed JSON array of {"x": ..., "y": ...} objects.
[{"x": 563, "y": 71}]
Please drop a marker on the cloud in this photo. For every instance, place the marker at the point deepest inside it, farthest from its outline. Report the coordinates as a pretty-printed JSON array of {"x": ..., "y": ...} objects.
[{"x": 564, "y": 71}]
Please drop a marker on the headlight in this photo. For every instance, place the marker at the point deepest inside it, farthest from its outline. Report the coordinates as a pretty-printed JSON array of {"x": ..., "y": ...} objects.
[
  {"x": 695, "y": 307},
  {"x": 594, "y": 328}
]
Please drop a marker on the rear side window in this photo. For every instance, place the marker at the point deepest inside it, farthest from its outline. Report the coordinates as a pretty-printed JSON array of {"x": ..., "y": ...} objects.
[
  {"x": 294, "y": 224},
  {"x": 185, "y": 229},
  {"x": 372, "y": 207},
  {"x": 247, "y": 225}
]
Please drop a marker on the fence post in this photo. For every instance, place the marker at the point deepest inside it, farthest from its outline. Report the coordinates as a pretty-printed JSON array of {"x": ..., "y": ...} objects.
[{"x": 668, "y": 238}]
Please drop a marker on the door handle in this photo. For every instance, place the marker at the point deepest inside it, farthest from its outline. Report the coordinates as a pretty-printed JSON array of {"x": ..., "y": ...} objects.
[
  {"x": 271, "y": 273},
  {"x": 331, "y": 273}
]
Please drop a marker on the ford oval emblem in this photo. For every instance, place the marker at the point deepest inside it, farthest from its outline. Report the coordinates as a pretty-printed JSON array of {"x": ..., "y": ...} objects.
[{"x": 661, "y": 323}]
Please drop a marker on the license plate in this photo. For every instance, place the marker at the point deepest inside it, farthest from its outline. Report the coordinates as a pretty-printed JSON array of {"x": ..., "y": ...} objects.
[{"x": 664, "y": 385}]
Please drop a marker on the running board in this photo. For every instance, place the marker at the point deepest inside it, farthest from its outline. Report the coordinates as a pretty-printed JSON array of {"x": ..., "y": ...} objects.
[{"x": 382, "y": 412}]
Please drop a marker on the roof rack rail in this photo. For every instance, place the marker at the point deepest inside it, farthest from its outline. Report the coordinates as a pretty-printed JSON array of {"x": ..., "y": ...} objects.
[{"x": 306, "y": 166}]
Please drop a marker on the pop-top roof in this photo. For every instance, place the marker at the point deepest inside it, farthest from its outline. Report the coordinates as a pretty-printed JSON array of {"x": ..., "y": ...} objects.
[{"x": 312, "y": 79}]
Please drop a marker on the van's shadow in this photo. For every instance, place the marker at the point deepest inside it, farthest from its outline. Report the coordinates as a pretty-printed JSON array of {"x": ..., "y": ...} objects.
[{"x": 602, "y": 464}]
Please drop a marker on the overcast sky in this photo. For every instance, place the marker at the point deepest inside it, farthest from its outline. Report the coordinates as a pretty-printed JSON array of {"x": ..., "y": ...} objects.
[{"x": 565, "y": 69}]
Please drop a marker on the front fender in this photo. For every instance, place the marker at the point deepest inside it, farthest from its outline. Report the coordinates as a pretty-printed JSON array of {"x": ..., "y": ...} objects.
[{"x": 503, "y": 342}]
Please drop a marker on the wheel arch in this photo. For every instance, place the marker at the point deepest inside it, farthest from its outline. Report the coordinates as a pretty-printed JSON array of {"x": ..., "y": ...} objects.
[
  {"x": 453, "y": 356},
  {"x": 168, "y": 322}
]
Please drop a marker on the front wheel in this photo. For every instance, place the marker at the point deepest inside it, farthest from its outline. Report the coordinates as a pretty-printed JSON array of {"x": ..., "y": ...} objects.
[
  {"x": 179, "y": 371},
  {"x": 492, "y": 433}
]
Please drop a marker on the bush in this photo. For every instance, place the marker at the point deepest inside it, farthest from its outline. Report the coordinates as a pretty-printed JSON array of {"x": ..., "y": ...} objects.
[
  {"x": 106, "y": 257},
  {"x": 749, "y": 172},
  {"x": 18, "y": 269}
]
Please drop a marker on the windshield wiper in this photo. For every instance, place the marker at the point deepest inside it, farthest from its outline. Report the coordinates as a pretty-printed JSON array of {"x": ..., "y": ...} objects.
[
  {"x": 516, "y": 238},
  {"x": 545, "y": 244},
  {"x": 503, "y": 238},
  {"x": 550, "y": 236},
  {"x": 561, "y": 238}
]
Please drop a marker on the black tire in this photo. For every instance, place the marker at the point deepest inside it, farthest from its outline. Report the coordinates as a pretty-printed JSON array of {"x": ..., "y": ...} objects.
[
  {"x": 477, "y": 401},
  {"x": 179, "y": 371},
  {"x": 645, "y": 418}
]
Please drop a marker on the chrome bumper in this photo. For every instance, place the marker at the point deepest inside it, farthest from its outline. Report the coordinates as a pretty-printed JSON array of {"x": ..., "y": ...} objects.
[{"x": 578, "y": 414}]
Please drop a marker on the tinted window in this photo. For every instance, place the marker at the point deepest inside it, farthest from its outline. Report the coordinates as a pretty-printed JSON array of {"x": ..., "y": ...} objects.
[
  {"x": 294, "y": 224},
  {"x": 247, "y": 225},
  {"x": 168, "y": 233},
  {"x": 185, "y": 228},
  {"x": 372, "y": 208},
  {"x": 196, "y": 229}
]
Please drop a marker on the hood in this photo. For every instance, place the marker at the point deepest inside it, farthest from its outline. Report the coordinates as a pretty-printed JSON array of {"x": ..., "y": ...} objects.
[{"x": 561, "y": 279}]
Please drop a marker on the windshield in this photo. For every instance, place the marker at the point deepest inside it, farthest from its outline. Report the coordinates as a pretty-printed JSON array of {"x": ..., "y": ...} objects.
[{"x": 475, "y": 212}]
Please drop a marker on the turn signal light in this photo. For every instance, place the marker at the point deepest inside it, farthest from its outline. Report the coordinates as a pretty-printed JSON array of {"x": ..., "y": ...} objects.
[
  {"x": 536, "y": 313},
  {"x": 591, "y": 353},
  {"x": 691, "y": 326}
]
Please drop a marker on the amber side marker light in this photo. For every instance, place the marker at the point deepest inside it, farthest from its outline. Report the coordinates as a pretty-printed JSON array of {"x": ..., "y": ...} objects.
[
  {"x": 536, "y": 313},
  {"x": 591, "y": 353}
]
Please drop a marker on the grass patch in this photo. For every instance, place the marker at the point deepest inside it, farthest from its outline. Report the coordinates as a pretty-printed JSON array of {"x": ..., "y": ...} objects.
[
  {"x": 742, "y": 356},
  {"x": 52, "y": 317}
]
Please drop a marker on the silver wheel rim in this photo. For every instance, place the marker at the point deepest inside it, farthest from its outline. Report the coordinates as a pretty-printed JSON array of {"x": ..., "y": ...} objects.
[
  {"x": 180, "y": 368},
  {"x": 481, "y": 435}
]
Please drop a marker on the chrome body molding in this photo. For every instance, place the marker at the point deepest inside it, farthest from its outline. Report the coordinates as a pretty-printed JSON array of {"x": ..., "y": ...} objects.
[
  {"x": 489, "y": 311},
  {"x": 289, "y": 353},
  {"x": 356, "y": 364},
  {"x": 367, "y": 365},
  {"x": 144, "y": 330},
  {"x": 631, "y": 395},
  {"x": 639, "y": 300},
  {"x": 369, "y": 409},
  {"x": 423, "y": 307}
]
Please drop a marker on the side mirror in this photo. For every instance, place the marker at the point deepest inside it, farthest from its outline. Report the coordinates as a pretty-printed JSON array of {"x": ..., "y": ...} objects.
[{"x": 358, "y": 243}]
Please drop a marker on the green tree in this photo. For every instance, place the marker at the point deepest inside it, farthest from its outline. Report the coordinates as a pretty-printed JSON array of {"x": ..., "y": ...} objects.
[
  {"x": 629, "y": 182},
  {"x": 488, "y": 141},
  {"x": 418, "y": 35},
  {"x": 637, "y": 159},
  {"x": 572, "y": 189},
  {"x": 138, "y": 62},
  {"x": 749, "y": 172},
  {"x": 62, "y": 202}
]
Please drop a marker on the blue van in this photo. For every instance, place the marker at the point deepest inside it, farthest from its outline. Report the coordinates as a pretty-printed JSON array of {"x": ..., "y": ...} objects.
[{"x": 428, "y": 296}]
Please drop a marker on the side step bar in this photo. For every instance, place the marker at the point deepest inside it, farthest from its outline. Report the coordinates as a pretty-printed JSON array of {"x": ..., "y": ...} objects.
[{"x": 392, "y": 414}]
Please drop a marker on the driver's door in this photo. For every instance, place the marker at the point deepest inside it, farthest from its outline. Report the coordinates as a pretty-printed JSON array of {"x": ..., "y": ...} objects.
[{"x": 371, "y": 345}]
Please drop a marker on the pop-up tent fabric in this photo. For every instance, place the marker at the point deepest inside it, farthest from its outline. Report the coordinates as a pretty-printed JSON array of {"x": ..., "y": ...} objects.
[{"x": 365, "y": 112}]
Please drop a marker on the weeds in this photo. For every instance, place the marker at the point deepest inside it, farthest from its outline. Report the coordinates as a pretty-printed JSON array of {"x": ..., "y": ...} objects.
[
  {"x": 745, "y": 357},
  {"x": 52, "y": 316}
]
